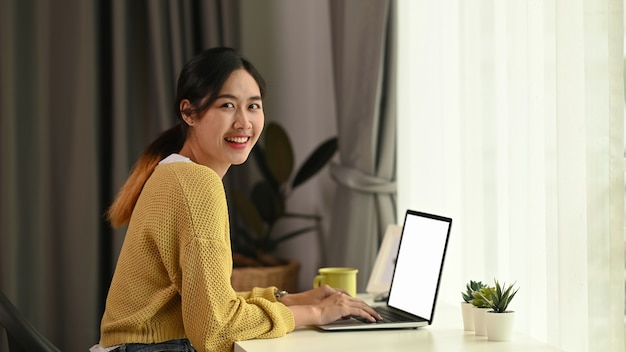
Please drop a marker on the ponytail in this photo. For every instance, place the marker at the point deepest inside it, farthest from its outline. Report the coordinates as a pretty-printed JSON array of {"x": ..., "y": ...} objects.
[{"x": 170, "y": 141}]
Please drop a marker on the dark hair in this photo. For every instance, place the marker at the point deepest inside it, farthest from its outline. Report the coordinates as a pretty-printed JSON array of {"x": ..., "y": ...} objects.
[{"x": 200, "y": 80}]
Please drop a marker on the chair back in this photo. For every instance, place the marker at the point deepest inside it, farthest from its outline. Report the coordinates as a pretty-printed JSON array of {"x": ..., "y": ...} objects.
[{"x": 21, "y": 335}]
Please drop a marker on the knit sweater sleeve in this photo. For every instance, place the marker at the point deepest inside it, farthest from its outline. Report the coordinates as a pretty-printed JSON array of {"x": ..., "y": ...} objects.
[{"x": 213, "y": 314}]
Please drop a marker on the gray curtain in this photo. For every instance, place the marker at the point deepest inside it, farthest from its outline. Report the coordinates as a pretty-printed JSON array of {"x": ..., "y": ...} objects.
[
  {"x": 85, "y": 85},
  {"x": 365, "y": 201}
]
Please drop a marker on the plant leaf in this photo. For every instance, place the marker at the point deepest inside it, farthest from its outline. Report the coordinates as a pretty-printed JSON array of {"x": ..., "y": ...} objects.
[
  {"x": 502, "y": 296},
  {"x": 249, "y": 213},
  {"x": 261, "y": 161},
  {"x": 244, "y": 241},
  {"x": 316, "y": 161},
  {"x": 294, "y": 234},
  {"x": 481, "y": 299},
  {"x": 267, "y": 201},
  {"x": 278, "y": 152},
  {"x": 470, "y": 288}
]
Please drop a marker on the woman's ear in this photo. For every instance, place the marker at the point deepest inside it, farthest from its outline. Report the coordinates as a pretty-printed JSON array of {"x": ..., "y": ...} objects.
[{"x": 186, "y": 112}]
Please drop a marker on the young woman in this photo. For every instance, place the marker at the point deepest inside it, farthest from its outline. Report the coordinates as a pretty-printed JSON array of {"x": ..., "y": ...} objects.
[{"x": 171, "y": 289}]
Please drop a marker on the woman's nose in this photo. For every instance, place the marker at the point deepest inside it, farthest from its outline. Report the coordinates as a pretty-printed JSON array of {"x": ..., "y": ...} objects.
[{"x": 241, "y": 120}]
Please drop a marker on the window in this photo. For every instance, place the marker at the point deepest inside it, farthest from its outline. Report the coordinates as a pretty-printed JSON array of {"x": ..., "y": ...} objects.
[{"x": 508, "y": 124}]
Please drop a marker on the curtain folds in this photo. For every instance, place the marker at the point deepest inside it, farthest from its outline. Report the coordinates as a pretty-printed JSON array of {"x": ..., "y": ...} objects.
[
  {"x": 49, "y": 167},
  {"x": 358, "y": 181},
  {"x": 365, "y": 200},
  {"x": 85, "y": 86},
  {"x": 525, "y": 154}
]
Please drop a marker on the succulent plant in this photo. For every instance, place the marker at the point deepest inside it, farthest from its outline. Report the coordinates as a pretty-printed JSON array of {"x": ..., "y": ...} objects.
[
  {"x": 499, "y": 298},
  {"x": 470, "y": 288},
  {"x": 479, "y": 299}
]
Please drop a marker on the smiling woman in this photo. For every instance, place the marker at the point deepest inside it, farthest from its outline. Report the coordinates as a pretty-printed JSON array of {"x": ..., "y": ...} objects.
[{"x": 172, "y": 285}]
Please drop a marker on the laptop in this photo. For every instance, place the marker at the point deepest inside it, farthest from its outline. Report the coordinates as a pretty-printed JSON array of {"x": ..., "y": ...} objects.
[{"x": 416, "y": 278}]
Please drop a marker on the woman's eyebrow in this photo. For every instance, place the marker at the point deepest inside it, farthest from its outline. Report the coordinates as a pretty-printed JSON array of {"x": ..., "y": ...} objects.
[{"x": 231, "y": 96}]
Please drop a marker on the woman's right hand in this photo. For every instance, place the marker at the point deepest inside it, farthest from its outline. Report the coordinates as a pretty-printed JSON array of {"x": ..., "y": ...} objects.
[
  {"x": 341, "y": 305},
  {"x": 334, "y": 307}
]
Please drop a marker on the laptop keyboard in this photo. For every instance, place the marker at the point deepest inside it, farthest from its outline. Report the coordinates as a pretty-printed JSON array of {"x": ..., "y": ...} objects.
[{"x": 389, "y": 316}]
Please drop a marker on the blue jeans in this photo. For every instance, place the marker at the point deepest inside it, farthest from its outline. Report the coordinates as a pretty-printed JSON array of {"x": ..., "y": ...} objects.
[{"x": 181, "y": 345}]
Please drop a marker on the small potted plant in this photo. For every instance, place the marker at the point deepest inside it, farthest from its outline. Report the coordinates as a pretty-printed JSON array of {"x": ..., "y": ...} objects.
[
  {"x": 467, "y": 306},
  {"x": 481, "y": 306},
  {"x": 499, "y": 320}
]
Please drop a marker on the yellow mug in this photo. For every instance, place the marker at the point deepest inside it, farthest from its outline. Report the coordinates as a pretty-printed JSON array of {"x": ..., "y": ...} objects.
[{"x": 339, "y": 278}]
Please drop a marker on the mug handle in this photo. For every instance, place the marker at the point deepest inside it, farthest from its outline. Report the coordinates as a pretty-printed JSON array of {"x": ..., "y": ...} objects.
[{"x": 320, "y": 280}]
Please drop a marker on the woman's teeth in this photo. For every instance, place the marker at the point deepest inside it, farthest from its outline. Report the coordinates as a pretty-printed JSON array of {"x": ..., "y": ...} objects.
[{"x": 237, "y": 139}]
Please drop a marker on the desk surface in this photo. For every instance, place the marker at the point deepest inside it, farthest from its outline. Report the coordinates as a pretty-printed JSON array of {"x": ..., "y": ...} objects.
[{"x": 446, "y": 334}]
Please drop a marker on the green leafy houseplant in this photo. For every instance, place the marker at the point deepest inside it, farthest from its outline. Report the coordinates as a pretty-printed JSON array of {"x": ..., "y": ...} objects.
[
  {"x": 260, "y": 210},
  {"x": 470, "y": 288},
  {"x": 499, "y": 298}
]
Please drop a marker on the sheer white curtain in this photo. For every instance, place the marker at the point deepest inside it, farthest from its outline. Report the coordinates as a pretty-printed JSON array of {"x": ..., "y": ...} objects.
[{"x": 510, "y": 120}]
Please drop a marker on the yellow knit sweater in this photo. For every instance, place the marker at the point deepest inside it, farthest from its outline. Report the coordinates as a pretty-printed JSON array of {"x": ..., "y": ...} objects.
[{"x": 173, "y": 274}]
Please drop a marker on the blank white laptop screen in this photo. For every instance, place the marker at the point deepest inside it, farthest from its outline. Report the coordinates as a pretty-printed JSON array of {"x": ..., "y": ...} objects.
[
  {"x": 415, "y": 282},
  {"x": 418, "y": 267}
]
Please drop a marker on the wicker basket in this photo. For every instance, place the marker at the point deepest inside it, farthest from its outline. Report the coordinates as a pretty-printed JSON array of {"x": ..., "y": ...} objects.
[{"x": 285, "y": 277}]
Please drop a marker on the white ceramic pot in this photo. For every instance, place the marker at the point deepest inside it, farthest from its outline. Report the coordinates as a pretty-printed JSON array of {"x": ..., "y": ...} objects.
[
  {"x": 499, "y": 326},
  {"x": 467, "y": 309},
  {"x": 480, "y": 328}
]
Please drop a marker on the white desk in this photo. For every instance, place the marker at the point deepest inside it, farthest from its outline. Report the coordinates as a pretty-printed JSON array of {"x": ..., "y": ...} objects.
[{"x": 446, "y": 334}]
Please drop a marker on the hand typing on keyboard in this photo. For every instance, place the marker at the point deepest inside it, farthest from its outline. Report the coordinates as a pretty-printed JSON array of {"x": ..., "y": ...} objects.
[{"x": 325, "y": 305}]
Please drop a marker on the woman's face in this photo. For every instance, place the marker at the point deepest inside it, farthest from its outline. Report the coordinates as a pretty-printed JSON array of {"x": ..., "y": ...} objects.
[{"x": 225, "y": 133}]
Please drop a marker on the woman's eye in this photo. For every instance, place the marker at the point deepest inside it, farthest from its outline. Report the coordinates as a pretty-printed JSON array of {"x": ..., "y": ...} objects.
[
  {"x": 228, "y": 105},
  {"x": 254, "y": 106}
]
